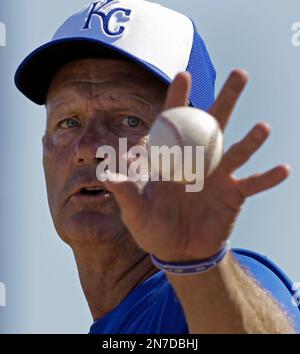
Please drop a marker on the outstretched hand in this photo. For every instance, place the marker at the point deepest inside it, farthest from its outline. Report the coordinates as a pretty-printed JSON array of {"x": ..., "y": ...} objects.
[{"x": 175, "y": 225}]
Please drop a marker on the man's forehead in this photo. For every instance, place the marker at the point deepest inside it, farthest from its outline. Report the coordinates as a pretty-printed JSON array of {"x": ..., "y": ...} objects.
[
  {"x": 103, "y": 70},
  {"x": 110, "y": 79}
]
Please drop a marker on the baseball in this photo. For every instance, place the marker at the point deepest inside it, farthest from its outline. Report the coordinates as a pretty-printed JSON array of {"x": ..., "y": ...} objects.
[{"x": 186, "y": 126}]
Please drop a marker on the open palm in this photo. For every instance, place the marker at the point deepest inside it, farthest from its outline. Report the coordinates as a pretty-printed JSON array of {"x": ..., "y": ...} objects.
[{"x": 175, "y": 225}]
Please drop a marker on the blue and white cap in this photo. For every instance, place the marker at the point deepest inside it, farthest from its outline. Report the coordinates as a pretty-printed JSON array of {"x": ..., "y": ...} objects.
[{"x": 160, "y": 40}]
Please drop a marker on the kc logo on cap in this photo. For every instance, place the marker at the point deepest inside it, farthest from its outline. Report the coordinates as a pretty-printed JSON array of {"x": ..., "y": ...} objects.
[
  {"x": 108, "y": 18},
  {"x": 162, "y": 41}
]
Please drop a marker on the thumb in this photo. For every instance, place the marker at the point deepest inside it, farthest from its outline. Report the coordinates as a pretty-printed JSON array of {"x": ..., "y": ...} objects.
[{"x": 130, "y": 200}]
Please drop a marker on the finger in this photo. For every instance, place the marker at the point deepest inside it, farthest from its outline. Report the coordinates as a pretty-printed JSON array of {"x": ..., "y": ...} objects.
[
  {"x": 241, "y": 152},
  {"x": 228, "y": 97},
  {"x": 126, "y": 194},
  {"x": 261, "y": 182},
  {"x": 179, "y": 91}
]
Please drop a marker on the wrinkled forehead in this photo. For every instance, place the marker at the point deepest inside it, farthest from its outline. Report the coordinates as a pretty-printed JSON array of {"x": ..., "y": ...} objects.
[{"x": 98, "y": 72}]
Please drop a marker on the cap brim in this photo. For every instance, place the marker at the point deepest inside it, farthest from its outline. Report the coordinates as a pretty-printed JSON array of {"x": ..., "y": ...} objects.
[{"x": 35, "y": 73}]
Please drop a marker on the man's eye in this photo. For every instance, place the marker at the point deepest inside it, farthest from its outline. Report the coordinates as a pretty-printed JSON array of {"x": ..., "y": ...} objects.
[
  {"x": 69, "y": 124},
  {"x": 131, "y": 122}
]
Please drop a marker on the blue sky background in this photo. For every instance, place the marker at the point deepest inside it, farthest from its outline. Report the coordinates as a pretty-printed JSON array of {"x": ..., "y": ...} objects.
[{"x": 43, "y": 291}]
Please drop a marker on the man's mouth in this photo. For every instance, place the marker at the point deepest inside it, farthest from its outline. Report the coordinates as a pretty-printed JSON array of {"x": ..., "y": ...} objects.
[
  {"x": 91, "y": 198},
  {"x": 89, "y": 193},
  {"x": 93, "y": 191}
]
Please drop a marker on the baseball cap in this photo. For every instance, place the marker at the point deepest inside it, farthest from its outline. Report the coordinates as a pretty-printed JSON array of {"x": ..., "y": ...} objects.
[{"x": 161, "y": 40}]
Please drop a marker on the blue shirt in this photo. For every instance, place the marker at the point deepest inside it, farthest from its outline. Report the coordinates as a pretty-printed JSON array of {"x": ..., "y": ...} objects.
[{"x": 153, "y": 308}]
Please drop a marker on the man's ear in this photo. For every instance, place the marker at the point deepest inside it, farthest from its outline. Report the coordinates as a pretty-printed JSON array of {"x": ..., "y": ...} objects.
[
  {"x": 45, "y": 132},
  {"x": 44, "y": 142}
]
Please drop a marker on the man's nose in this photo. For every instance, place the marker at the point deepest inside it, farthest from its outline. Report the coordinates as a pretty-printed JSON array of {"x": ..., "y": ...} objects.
[{"x": 88, "y": 144}]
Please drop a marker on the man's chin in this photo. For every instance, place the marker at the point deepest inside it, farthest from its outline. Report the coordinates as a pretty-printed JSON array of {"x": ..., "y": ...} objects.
[{"x": 92, "y": 227}]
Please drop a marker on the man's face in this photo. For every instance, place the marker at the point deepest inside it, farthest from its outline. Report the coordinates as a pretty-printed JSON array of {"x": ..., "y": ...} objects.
[{"x": 91, "y": 103}]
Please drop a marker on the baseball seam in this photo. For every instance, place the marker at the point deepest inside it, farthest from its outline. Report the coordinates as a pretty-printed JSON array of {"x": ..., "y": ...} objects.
[
  {"x": 178, "y": 140},
  {"x": 172, "y": 127}
]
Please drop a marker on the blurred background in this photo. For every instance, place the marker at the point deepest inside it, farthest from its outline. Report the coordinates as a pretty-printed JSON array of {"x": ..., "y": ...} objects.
[{"x": 43, "y": 294}]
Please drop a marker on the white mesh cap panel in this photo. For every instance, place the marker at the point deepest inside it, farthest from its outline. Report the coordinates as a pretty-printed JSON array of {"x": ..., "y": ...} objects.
[{"x": 149, "y": 31}]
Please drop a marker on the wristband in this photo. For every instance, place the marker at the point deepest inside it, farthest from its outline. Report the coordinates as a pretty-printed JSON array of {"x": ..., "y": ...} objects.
[{"x": 191, "y": 268}]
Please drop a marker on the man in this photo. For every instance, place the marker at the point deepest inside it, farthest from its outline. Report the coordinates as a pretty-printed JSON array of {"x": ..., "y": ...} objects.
[{"x": 108, "y": 72}]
